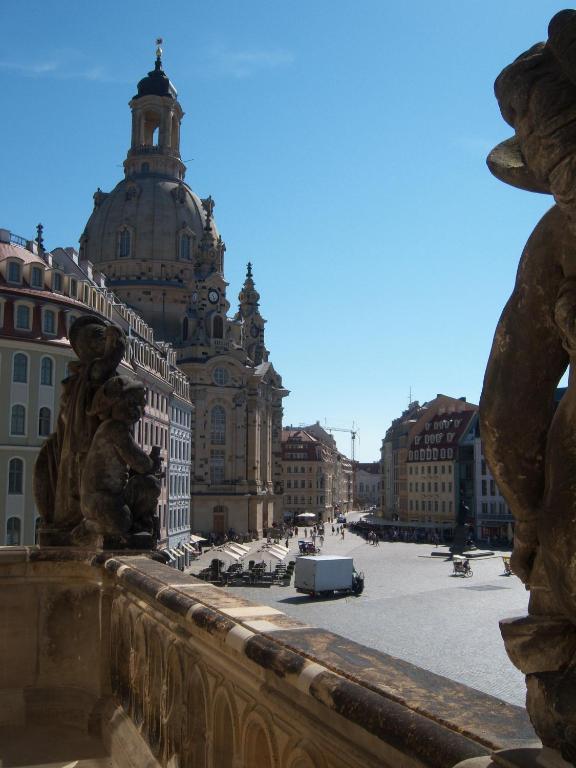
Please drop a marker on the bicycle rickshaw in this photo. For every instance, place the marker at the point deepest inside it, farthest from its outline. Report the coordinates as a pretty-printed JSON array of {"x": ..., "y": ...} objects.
[{"x": 461, "y": 566}]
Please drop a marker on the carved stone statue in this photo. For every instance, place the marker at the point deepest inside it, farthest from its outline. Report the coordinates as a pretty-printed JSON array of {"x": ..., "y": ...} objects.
[
  {"x": 100, "y": 347},
  {"x": 114, "y": 504},
  {"x": 67, "y": 519},
  {"x": 529, "y": 443}
]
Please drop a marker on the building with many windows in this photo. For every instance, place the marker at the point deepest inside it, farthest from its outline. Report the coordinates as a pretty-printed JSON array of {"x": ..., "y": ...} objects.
[
  {"x": 440, "y": 465},
  {"x": 157, "y": 242},
  {"x": 41, "y": 293},
  {"x": 178, "y": 521},
  {"x": 394, "y": 452},
  {"x": 316, "y": 478},
  {"x": 367, "y": 483}
]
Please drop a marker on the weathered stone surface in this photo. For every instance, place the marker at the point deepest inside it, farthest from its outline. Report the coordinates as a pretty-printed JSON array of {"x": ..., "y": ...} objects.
[
  {"x": 530, "y": 445},
  {"x": 81, "y": 484},
  {"x": 166, "y": 671}
]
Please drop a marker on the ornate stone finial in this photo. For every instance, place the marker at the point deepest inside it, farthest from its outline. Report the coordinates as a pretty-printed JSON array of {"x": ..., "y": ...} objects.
[
  {"x": 159, "y": 42},
  {"x": 39, "y": 237},
  {"x": 208, "y": 204},
  {"x": 249, "y": 269},
  {"x": 527, "y": 443}
]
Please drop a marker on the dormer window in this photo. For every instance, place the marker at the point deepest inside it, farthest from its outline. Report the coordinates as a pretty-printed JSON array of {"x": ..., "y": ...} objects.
[
  {"x": 56, "y": 281},
  {"x": 37, "y": 277},
  {"x": 14, "y": 272},
  {"x": 123, "y": 243},
  {"x": 73, "y": 287}
]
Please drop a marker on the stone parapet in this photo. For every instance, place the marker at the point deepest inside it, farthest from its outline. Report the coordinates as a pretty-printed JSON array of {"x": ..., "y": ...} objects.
[{"x": 168, "y": 670}]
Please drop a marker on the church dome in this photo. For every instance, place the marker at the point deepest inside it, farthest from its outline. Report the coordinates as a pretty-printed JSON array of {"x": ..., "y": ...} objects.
[{"x": 155, "y": 212}]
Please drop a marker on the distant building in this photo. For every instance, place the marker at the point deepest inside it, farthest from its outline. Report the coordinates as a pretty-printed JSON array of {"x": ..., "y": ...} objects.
[
  {"x": 41, "y": 293},
  {"x": 367, "y": 483},
  {"x": 441, "y": 465},
  {"x": 405, "y": 495},
  {"x": 316, "y": 478},
  {"x": 394, "y": 451},
  {"x": 343, "y": 474},
  {"x": 494, "y": 521}
]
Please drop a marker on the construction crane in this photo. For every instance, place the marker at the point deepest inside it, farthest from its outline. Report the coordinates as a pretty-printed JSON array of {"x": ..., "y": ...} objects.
[{"x": 352, "y": 432}]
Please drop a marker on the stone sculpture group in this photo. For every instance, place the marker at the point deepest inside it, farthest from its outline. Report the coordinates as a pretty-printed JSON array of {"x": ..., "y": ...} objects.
[
  {"x": 93, "y": 484},
  {"x": 529, "y": 439}
]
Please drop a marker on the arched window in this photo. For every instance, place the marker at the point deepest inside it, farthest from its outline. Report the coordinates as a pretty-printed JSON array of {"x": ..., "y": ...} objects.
[
  {"x": 46, "y": 372},
  {"x": 185, "y": 246},
  {"x": 218, "y": 425},
  {"x": 49, "y": 323},
  {"x": 18, "y": 420},
  {"x": 123, "y": 243},
  {"x": 13, "y": 528},
  {"x": 185, "y": 329},
  {"x": 145, "y": 168},
  {"x": 20, "y": 370},
  {"x": 23, "y": 317},
  {"x": 44, "y": 419},
  {"x": 218, "y": 327},
  {"x": 15, "y": 476}
]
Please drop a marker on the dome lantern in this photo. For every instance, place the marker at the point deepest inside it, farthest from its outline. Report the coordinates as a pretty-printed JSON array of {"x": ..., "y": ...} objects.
[{"x": 156, "y": 118}]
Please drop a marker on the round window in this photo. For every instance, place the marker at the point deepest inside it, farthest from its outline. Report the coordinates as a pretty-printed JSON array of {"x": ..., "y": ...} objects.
[{"x": 221, "y": 376}]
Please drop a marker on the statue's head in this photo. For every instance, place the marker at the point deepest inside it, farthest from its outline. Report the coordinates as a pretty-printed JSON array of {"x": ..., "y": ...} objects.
[
  {"x": 121, "y": 398},
  {"x": 537, "y": 97},
  {"x": 88, "y": 335}
]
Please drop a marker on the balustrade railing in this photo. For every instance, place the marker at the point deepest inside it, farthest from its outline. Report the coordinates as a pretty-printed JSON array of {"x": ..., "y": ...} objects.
[
  {"x": 166, "y": 670},
  {"x": 153, "y": 149}
]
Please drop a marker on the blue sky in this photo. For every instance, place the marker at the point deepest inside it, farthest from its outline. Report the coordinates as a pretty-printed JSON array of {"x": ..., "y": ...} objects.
[{"x": 344, "y": 144}]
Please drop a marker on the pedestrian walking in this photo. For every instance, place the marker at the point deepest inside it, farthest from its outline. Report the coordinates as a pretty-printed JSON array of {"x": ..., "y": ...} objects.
[
  {"x": 287, "y": 542},
  {"x": 342, "y": 533},
  {"x": 321, "y": 539},
  {"x": 332, "y": 530}
]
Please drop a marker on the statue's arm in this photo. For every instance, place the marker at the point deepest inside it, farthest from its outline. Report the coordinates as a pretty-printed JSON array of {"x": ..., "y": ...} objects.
[
  {"x": 130, "y": 452},
  {"x": 526, "y": 363}
]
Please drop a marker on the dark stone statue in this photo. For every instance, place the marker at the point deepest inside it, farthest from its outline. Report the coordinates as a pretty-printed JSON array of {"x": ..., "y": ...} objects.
[
  {"x": 81, "y": 484},
  {"x": 529, "y": 443}
]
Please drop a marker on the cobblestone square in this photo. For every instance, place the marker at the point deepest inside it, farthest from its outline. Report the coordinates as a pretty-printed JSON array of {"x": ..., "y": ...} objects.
[{"x": 414, "y": 609}]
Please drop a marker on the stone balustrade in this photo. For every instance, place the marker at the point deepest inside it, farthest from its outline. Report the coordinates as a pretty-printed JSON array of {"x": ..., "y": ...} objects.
[{"x": 162, "y": 669}]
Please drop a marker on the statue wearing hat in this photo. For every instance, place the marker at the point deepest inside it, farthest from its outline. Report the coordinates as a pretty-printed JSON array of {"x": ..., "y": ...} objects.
[{"x": 530, "y": 440}]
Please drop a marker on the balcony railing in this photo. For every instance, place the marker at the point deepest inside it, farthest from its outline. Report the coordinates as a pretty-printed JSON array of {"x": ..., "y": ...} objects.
[
  {"x": 152, "y": 667},
  {"x": 153, "y": 149}
]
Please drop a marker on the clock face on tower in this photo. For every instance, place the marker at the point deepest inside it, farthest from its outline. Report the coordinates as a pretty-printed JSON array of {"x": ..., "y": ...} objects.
[{"x": 213, "y": 296}]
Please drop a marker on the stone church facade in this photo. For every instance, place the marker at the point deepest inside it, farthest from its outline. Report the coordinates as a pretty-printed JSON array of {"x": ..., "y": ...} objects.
[{"x": 157, "y": 242}]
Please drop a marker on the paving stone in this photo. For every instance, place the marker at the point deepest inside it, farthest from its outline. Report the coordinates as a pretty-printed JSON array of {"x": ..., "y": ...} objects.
[{"x": 413, "y": 608}]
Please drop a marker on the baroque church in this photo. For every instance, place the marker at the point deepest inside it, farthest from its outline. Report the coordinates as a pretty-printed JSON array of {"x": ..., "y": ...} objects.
[{"x": 157, "y": 242}]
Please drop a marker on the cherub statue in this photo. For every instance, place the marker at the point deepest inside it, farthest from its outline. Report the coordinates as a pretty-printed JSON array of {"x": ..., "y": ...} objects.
[
  {"x": 114, "y": 502},
  {"x": 100, "y": 347},
  {"x": 529, "y": 443}
]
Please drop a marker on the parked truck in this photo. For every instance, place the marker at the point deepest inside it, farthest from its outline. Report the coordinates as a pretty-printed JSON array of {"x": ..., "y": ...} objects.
[{"x": 326, "y": 574}]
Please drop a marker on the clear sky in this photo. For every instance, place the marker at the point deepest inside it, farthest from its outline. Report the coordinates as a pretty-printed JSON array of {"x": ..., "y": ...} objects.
[{"x": 344, "y": 144}]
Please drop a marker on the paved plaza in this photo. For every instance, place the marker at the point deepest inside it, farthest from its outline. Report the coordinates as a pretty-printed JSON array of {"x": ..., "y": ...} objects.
[{"x": 414, "y": 609}]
